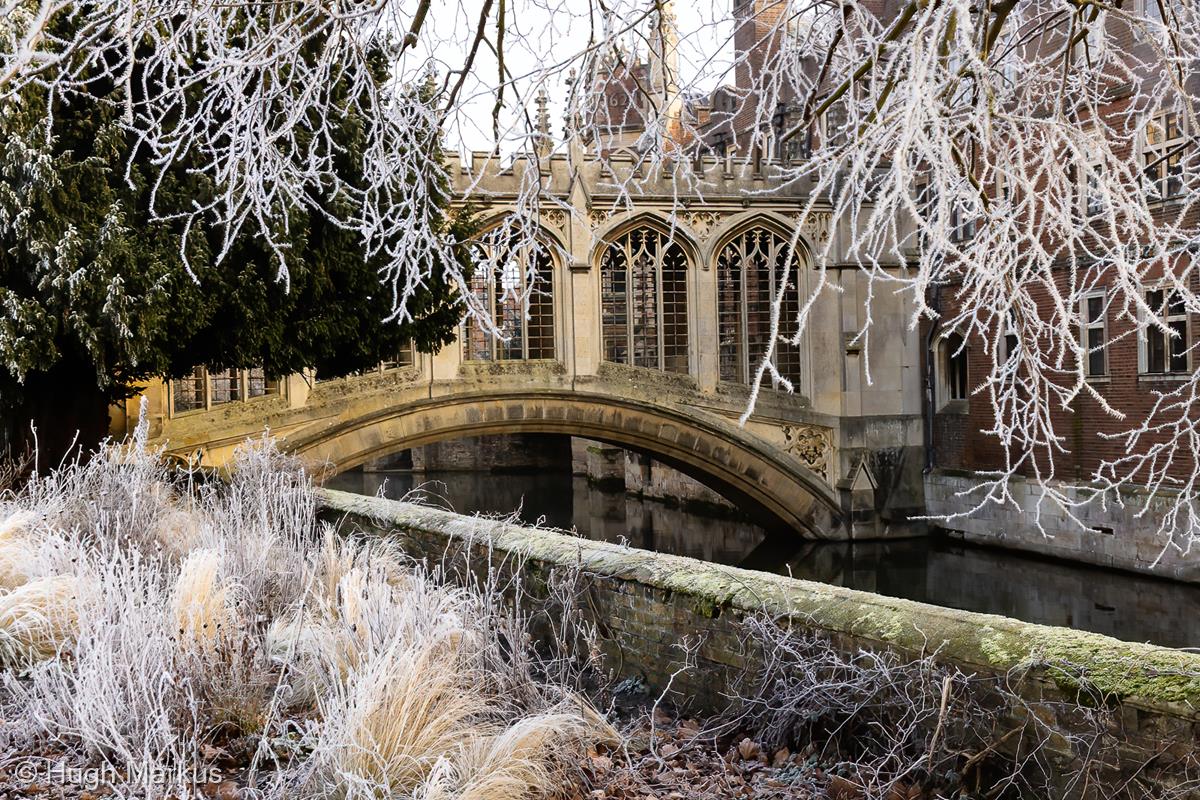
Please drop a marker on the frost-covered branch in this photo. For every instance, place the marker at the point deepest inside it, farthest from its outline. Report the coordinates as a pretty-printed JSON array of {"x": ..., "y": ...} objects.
[{"x": 1010, "y": 158}]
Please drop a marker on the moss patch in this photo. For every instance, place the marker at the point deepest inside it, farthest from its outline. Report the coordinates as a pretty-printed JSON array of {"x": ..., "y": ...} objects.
[{"x": 1116, "y": 670}]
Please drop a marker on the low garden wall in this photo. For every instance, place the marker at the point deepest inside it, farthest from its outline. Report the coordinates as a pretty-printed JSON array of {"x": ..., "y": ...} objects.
[{"x": 647, "y": 603}]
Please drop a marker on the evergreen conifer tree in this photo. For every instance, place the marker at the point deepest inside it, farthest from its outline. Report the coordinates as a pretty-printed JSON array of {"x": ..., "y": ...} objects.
[{"x": 95, "y": 293}]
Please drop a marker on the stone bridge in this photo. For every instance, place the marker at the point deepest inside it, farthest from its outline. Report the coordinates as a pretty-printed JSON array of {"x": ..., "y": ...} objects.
[{"x": 644, "y": 333}]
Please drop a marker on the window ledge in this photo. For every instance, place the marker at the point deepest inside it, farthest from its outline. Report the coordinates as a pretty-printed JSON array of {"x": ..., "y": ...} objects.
[
  {"x": 1167, "y": 202},
  {"x": 955, "y": 407},
  {"x": 1174, "y": 377},
  {"x": 1099, "y": 379}
]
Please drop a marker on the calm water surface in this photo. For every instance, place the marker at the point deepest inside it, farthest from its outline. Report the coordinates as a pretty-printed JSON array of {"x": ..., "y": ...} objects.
[{"x": 934, "y": 571}]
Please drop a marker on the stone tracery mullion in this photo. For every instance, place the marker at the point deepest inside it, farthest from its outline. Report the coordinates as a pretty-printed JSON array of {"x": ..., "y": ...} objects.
[
  {"x": 654, "y": 328},
  {"x": 512, "y": 309},
  {"x": 753, "y": 263}
]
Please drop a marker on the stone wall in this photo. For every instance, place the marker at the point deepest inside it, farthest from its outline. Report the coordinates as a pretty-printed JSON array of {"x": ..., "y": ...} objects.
[
  {"x": 646, "y": 603},
  {"x": 640, "y": 475},
  {"x": 516, "y": 451},
  {"x": 1115, "y": 536}
]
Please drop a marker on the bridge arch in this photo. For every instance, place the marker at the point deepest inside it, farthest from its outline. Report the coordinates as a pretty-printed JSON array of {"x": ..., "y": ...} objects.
[{"x": 775, "y": 487}]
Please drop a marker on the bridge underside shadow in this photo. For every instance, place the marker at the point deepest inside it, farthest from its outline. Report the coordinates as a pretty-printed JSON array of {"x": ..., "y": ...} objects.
[{"x": 774, "y": 488}]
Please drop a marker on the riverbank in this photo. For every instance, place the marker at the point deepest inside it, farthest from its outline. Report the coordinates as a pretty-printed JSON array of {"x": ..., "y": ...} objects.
[
  {"x": 930, "y": 569},
  {"x": 1080, "y": 707}
]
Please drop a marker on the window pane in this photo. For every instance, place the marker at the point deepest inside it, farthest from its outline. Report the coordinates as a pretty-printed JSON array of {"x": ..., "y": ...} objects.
[
  {"x": 1173, "y": 169},
  {"x": 225, "y": 386},
  {"x": 541, "y": 319},
  {"x": 750, "y": 268},
  {"x": 644, "y": 298},
  {"x": 675, "y": 322},
  {"x": 510, "y": 312},
  {"x": 643, "y": 286},
  {"x": 477, "y": 342},
  {"x": 1095, "y": 204},
  {"x": 523, "y": 315},
  {"x": 1156, "y": 352},
  {"x": 732, "y": 336},
  {"x": 787, "y": 356},
  {"x": 1095, "y": 309},
  {"x": 954, "y": 360},
  {"x": 1155, "y": 132},
  {"x": 1095, "y": 344},
  {"x": 1175, "y": 305},
  {"x": 188, "y": 392},
  {"x": 1171, "y": 125},
  {"x": 405, "y": 357},
  {"x": 759, "y": 291},
  {"x": 1178, "y": 345},
  {"x": 258, "y": 385},
  {"x": 614, "y": 291}
]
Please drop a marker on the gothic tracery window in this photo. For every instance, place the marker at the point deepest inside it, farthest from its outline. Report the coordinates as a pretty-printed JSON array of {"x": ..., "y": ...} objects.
[
  {"x": 520, "y": 306},
  {"x": 643, "y": 288},
  {"x": 749, "y": 272}
]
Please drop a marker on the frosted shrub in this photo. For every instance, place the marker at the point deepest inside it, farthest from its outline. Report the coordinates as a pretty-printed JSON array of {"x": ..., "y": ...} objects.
[{"x": 164, "y": 626}]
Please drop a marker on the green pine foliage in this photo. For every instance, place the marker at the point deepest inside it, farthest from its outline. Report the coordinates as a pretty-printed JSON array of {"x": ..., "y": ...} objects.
[{"x": 95, "y": 294}]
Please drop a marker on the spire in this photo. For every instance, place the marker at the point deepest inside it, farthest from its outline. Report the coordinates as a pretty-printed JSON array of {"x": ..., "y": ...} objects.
[
  {"x": 664, "y": 50},
  {"x": 543, "y": 141},
  {"x": 664, "y": 72}
]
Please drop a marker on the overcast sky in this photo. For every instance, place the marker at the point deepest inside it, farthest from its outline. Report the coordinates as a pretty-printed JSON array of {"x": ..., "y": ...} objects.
[{"x": 543, "y": 36}]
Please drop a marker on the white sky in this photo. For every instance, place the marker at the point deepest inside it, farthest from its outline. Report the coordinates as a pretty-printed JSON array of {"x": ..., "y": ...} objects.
[{"x": 543, "y": 36}]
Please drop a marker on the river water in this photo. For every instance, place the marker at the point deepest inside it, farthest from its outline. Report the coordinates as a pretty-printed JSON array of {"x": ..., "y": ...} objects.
[{"x": 935, "y": 570}]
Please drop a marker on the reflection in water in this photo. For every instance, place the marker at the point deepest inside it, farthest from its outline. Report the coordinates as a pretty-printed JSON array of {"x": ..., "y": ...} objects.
[{"x": 933, "y": 571}]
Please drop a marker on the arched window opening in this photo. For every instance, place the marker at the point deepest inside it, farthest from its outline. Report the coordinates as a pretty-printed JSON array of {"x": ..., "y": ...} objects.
[
  {"x": 521, "y": 307},
  {"x": 749, "y": 271},
  {"x": 643, "y": 289},
  {"x": 953, "y": 384}
]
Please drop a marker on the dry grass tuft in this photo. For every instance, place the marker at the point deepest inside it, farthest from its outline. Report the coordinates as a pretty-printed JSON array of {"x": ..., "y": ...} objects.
[
  {"x": 200, "y": 602},
  {"x": 38, "y": 620},
  {"x": 16, "y": 550},
  {"x": 150, "y": 621},
  {"x": 528, "y": 757}
]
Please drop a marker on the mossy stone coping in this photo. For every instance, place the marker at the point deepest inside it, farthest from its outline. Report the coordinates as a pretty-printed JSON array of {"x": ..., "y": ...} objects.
[{"x": 1143, "y": 674}]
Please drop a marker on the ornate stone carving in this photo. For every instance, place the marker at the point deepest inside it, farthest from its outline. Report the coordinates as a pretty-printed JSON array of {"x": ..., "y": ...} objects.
[
  {"x": 555, "y": 218},
  {"x": 815, "y": 227},
  {"x": 598, "y": 216},
  {"x": 811, "y": 444},
  {"x": 702, "y": 222}
]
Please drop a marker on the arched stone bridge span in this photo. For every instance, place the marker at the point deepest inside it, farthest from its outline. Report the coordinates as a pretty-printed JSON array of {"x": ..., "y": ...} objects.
[
  {"x": 771, "y": 484},
  {"x": 776, "y": 470},
  {"x": 643, "y": 327}
]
